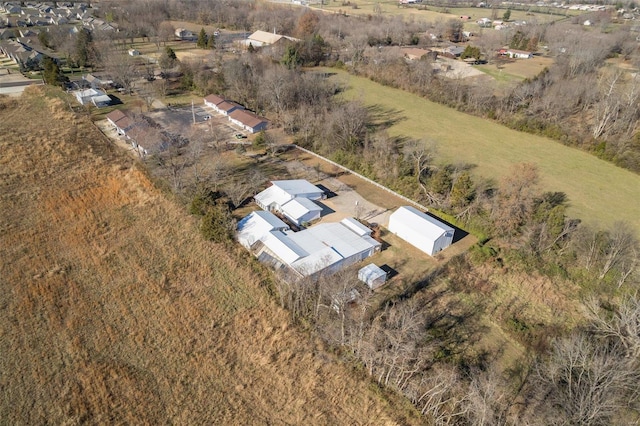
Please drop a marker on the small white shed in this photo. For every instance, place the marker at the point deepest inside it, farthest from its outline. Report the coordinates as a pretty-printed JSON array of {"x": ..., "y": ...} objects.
[
  {"x": 421, "y": 230},
  {"x": 372, "y": 275}
]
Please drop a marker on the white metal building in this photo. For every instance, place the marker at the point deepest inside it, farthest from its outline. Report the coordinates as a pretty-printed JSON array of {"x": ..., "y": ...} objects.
[
  {"x": 420, "y": 230},
  {"x": 293, "y": 198},
  {"x": 256, "y": 225},
  {"x": 324, "y": 247},
  {"x": 301, "y": 210}
]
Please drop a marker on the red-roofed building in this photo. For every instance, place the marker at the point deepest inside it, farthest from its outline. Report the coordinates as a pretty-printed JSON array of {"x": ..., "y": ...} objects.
[{"x": 248, "y": 120}]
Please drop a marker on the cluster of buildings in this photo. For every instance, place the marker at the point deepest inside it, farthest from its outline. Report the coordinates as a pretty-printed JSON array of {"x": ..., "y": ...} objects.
[
  {"x": 327, "y": 247},
  {"x": 236, "y": 113},
  {"x": 43, "y": 14}
]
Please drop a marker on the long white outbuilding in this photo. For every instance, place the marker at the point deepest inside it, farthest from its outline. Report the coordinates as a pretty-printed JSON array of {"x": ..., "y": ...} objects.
[{"x": 421, "y": 230}]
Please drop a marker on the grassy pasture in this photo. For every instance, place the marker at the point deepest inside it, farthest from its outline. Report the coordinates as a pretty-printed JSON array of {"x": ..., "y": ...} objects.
[
  {"x": 599, "y": 192},
  {"x": 516, "y": 69}
]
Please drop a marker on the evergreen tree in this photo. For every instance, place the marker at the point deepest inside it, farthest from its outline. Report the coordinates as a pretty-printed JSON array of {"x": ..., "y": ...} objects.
[
  {"x": 507, "y": 15},
  {"x": 168, "y": 59},
  {"x": 83, "y": 48},
  {"x": 211, "y": 42},
  {"x": 291, "y": 58},
  {"x": 52, "y": 74},
  {"x": 202, "y": 39}
]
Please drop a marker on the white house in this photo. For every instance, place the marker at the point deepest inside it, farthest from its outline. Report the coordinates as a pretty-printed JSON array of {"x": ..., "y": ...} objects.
[
  {"x": 372, "y": 275},
  {"x": 420, "y": 230},
  {"x": 292, "y": 198},
  {"x": 518, "y": 54},
  {"x": 87, "y": 95},
  {"x": 247, "y": 120}
]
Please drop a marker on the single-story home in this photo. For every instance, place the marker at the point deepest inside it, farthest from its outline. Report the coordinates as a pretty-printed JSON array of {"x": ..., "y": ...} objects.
[
  {"x": 87, "y": 95},
  {"x": 421, "y": 230},
  {"x": 101, "y": 101},
  {"x": 120, "y": 121},
  {"x": 372, "y": 275},
  {"x": 264, "y": 38},
  {"x": 518, "y": 54},
  {"x": 213, "y": 100},
  {"x": 227, "y": 107},
  {"x": 184, "y": 34},
  {"x": 413, "y": 53},
  {"x": 147, "y": 140},
  {"x": 247, "y": 120}
]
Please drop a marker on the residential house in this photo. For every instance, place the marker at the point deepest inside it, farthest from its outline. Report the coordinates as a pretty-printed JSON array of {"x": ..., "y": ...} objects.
[
  {"x": 120, "y": 121},
  {"x": 263, "y": 38},
  {"x": 421, "y": 230},
  {"x": 213, "y": 100},
  {"x": 86, "y": 96},
  {"x": 184, "y": 34},
  {"x": 248, "y": 120},
  {"x": 227, "y": 107},
  {"x": 413, "y": 53},
  {"x": 518, "y": 54},
  {"x": 96, "y": 82}
]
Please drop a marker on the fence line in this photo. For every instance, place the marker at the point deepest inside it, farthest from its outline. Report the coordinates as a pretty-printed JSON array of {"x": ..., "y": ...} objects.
[{"x": 402, "y": 197}]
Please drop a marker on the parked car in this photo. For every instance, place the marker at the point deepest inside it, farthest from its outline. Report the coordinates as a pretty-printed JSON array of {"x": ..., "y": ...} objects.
[{"x": 240, "y": 136}]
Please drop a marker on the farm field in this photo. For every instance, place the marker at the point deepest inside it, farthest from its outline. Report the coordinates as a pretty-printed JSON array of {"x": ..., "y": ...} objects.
[
  {"x": 115, "y": 310},
  {"x": 599, "y": 192},
  {"x": 426, "y": 13}
]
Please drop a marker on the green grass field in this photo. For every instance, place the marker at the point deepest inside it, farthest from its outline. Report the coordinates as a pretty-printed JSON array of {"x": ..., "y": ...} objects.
[{"x": 599, "y": 192}]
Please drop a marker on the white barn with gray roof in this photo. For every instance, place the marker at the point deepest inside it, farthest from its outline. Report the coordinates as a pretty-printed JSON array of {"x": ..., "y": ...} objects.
[{"x": 421, "y": 230}]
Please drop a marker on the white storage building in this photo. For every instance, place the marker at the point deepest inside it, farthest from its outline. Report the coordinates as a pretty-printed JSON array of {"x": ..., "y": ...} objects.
[
  {"x": 420, "y": 230},
  {"x": 292, "y": 198},
  {"x": 256, "y": 225},
  {"x": 372, "y": 275}
]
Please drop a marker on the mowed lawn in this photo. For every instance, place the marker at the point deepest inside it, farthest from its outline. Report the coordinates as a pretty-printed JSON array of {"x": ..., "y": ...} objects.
[{"x": 599, "y": 192}]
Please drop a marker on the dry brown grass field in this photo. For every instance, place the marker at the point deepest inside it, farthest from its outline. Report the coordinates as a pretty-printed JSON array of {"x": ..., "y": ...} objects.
[{"x": 114, "y": 310}]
